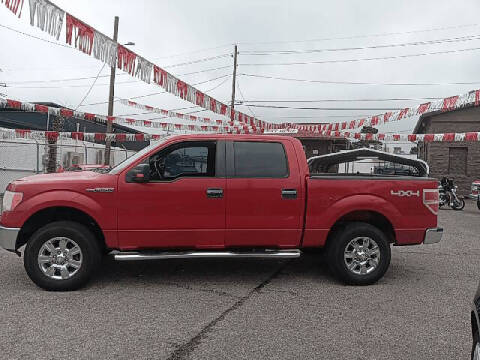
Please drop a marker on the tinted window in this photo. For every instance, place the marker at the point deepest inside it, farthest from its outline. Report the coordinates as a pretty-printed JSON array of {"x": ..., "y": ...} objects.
[
  {"x": 185, "y": 159},
  {"x": 260, "y": 159}
]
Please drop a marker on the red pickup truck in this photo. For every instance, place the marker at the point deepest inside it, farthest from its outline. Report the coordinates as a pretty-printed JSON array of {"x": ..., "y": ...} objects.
[{"x": 197, "y": 196}]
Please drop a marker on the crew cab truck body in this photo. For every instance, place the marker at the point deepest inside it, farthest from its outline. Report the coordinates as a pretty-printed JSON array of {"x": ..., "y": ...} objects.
[{"x": 214, "y": 196}]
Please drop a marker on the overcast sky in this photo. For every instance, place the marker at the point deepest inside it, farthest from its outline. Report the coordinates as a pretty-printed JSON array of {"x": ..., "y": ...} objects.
[{"x": 174, "y": 32}]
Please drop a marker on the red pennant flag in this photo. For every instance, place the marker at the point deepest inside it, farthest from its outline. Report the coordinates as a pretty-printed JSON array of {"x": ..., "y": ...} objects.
[
  {"x": 402, "y": 113},
  {"x": 182, "y": 89},
  {"x": 423, "y": 108},
  {"x": 111, "y": 119},
  {"x": 448, "y": 137},
  {"x": 140, "y": 137},
  {"x": 396, "y": 137},
  {"x": 428, "y": 137},
  {"x": 362, "y": 121},
  {"x": 412, "y": 137},
  {"x": 200, "y": 98},
  {"x": 213, "y": 105},
  {"x": 159, "y": 76},
  {"x": 130, "y": 121},
  {"x": 100, "y": 136},
  {"x": 77, "y": 136},
  {"x": 14, "y": 104},
  {"x": 449, "y": 103},
  {"x": 154, "y": 137},
  {"x": 471, "y": 136},
  {"x": 375, "y": 120},
  {"x": 120, "y": 137},
  {"x": 22, "y": 132},
  {"x": 381, "y": 137},
  {"x": 51, "y": 135},
  {"x": 41, "y": 108},
  {"x": 386, "y": 116},
  {"x": 477, "y": 97},
  {"x": 223, "y": 109},
  {"x": 66, "y": 112},
  {"x": 147, "y": 123},
  {"x": 88, "y": 116}
]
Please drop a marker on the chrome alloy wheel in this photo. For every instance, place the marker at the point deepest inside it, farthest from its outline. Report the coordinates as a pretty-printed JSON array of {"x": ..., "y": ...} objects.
[
  {"x": 476, "y": 353},
  {"x": 60, "y": 258},
  {"x": 362, "y": 255}
]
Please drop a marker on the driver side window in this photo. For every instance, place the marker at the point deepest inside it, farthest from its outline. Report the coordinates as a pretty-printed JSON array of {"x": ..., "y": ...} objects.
[{"x": 192, "y": 159}]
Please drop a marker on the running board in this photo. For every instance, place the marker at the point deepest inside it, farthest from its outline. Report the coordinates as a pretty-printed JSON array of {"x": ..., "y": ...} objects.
[{"x": 133, "y": 255}]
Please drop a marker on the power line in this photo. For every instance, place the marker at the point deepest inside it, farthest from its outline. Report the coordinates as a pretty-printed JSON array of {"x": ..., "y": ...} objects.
[
  {"x": 91, "y": 87},
  {"x": 243, "y": 98},
  {"x": 363, "y": 36},
  {"x": 193, "y": 52},
  {"x": 205, "y": 70},
  {"x": 338, "y": 100},
  {"x": 310, "y": 51},
  {"x": 33, "y": 36},
  {"x": 364, "y": 59},
  {"x": 70, "y": 86},
  {"x": 211, "y": 58},
  {"x": 320, "y": 108},
  {"x": 357, "y": 82}
]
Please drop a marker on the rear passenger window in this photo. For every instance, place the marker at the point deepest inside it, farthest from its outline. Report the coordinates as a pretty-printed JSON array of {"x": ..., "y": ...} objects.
[{"x": 260, "y": 160}]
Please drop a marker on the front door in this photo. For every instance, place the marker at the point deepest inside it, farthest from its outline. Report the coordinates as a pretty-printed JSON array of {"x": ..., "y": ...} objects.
[
  {"x": 182, "y": 205},
  {"x": 265, "y": 199}
]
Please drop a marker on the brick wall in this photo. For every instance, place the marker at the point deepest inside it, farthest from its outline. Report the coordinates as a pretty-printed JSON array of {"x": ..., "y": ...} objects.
[{"x": 438, "y": 154}]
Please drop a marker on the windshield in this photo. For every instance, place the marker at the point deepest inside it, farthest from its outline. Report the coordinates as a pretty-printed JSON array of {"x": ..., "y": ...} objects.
[{"x": 125, "y": 163}]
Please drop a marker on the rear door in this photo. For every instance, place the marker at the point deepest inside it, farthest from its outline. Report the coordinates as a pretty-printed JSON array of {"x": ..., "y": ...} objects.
[{"x": 264, "y": 195}]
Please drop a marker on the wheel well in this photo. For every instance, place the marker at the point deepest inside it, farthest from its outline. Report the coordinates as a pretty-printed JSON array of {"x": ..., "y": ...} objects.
[
  {"x": 367, "y": 216},
  {"x": 48, "y": 215}
]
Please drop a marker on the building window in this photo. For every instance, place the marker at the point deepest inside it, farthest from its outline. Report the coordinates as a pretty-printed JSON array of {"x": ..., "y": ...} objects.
[{"x": 457, "y": 160}]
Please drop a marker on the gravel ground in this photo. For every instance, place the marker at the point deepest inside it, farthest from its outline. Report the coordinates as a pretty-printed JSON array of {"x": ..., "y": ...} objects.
[{"x": 252, "y": 309}]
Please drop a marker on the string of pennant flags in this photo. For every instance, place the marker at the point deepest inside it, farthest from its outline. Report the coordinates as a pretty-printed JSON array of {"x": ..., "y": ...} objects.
[
  {"x": 50, "y": 18},
  {"x": 472, "y": 98},
  {"x": 121, "y": 137},
  {"x": 229, "y": 127}
]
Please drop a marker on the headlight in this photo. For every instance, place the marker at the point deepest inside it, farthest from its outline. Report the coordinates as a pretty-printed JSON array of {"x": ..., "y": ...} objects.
[{"x": 11, "y": 200}]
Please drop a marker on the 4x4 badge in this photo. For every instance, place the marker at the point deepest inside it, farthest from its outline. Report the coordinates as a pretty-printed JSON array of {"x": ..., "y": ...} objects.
[{"x": 408, "y": 193}]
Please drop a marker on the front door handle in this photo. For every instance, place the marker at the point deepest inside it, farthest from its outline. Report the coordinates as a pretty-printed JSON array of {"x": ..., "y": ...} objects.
[
  {"x": 215, "y": 193},
  {"x": 289, "y": 194}
]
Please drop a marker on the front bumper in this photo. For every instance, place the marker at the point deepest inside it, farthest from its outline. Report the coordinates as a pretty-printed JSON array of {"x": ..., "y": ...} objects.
[
  {"x": 8, "y": 238},
  {"x": 433, "y": 235}
]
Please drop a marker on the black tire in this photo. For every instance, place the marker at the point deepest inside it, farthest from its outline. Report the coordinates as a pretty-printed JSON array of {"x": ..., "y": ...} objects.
[
  {"x": 458, "y": 205},
  {"x": 336, "y": 249},
  {"x": 82, "y": 236},
  {"x": 476, "y": 339},
  {"x": 478, "y": 204}
]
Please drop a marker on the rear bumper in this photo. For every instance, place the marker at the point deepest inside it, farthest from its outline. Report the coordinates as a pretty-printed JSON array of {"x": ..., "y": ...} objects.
[
  {"x": 433, "y": 235},
  {"x": 8, "y": 238}
]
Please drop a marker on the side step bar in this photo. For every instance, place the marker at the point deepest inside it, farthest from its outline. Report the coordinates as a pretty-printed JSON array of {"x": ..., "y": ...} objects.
[{"x": 133, "y": 255}]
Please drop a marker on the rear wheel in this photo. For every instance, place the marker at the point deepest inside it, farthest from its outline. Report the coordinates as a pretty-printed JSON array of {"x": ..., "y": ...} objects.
[
  {"x": 458, "y": 204},
  {"x": 359, "y": 254},
  {"x": 61, "y": 256}
]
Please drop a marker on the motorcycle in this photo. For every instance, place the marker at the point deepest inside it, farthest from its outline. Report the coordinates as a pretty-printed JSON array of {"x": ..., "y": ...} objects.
[{"x": 448, "y": 195}]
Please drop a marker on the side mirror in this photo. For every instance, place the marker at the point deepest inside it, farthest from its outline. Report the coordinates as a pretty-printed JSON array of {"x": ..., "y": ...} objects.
[{"x": 139, "y": 174}]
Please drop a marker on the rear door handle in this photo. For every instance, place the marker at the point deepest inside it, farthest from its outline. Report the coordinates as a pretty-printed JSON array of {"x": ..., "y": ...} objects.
[
  {"x": 215, "y": 193},
  {"x": 289, "y": 194}
]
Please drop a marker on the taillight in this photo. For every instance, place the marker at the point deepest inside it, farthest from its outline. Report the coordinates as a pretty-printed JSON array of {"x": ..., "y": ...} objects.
[
  {"x": 430, "y": 200},
  {"x": 11, "y": 200}
]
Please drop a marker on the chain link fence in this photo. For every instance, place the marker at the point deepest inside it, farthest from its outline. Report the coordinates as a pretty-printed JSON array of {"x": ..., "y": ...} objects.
[{"x": 20, "y": 158}]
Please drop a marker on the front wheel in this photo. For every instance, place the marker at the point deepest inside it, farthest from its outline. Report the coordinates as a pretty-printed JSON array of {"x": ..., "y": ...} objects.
[
  {"x": 61, "y": 256},
  {"x": 359, "y": 254},
  {"x": 458, "y": 204}
]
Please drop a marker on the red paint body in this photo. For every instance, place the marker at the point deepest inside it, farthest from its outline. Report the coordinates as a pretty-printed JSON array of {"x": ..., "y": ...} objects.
[{"x": 252, "y": 213}]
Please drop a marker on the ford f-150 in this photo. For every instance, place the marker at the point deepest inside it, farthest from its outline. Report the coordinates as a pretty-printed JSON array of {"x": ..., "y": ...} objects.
[{"x": 195, "y": 196}]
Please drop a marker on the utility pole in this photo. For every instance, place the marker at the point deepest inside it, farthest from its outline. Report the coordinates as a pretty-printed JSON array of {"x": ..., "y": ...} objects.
[
  {"x": 108, "y": 142},
  {"x": 235, "y": 52}
]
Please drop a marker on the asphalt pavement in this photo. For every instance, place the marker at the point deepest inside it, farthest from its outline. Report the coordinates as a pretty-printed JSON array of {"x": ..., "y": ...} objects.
[{"x": 252, "y": 309}]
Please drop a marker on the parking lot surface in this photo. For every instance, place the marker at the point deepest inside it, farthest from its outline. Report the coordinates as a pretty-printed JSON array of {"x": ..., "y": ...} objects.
[{"x": 252, "y": 309}]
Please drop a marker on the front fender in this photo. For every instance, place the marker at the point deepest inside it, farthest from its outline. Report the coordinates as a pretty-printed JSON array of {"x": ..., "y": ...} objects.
[{"x": 61, "y": 198}]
